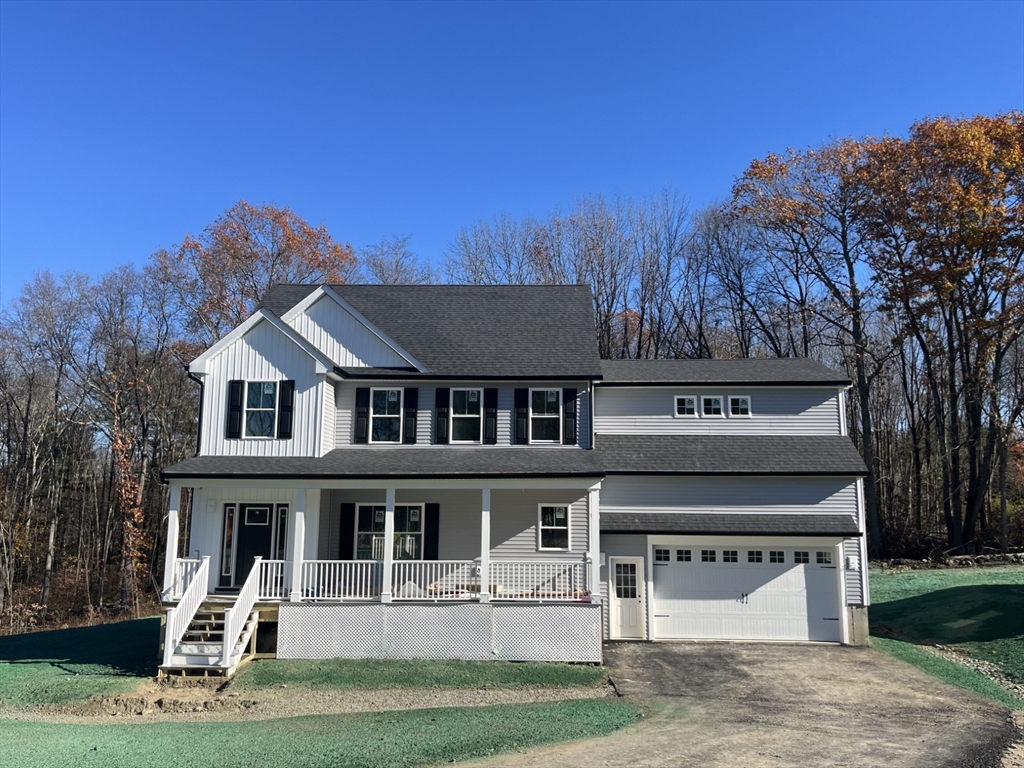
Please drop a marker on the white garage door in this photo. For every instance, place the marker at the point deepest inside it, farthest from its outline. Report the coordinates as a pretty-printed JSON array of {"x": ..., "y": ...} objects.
[{"x": 732, "y": 592}]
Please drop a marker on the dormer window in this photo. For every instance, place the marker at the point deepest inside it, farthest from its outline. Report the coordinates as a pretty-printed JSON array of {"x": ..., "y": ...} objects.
[
  {"x": 686, "y": 406},
  {"x": 711, "y": 405},
  {"x": 386, "y": 415},
  {"x": 260, "y": 407},
  {"x": 466, "y": 415},
  {"x": 545, "y": 415},
  {"x": 739, "y": 405}
]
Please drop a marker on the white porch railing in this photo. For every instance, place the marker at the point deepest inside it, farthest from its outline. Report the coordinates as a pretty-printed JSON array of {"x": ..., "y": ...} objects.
[
  {"x": 341, "y": 579},
  {"x": 237, "y": 615},
  {"x": 274, "y": 582},
  {"x": 184, "y": 571},
  {"x": 180, "y": 616},
  {"x": 435, "y": 580},
  {"x": 538, "y": 580}
]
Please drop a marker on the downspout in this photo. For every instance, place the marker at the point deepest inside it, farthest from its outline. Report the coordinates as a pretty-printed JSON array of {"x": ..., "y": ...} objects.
[{"x": 202, "y": 396}]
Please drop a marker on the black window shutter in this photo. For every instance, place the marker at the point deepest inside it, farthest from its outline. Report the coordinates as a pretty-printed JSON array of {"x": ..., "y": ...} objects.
[
  {"x": 569, "y": 416},
  {"x": 441, "y": 416},
  {"x": 235, "y": 391},
  {"x": 362, "y": 414},
  {"x": 491, "y": 416},
  {"x": 430, "y": 531},
  {"x": 347, "y": 533},
  {"x": 285, "y": 409},
  {"x": 522, "y": 403},
  {"x": 410, "y": 405}
]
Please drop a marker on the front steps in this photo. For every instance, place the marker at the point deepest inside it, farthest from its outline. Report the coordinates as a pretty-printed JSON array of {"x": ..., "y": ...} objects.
[{"x": 201, "y": 648}]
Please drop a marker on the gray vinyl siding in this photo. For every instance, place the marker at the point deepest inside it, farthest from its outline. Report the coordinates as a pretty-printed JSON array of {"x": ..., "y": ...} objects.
[
  {"x": 776, "y": 411},
  {"x": 854, "y": 591},
  {"x": 342, "y": 338},
  {"x": 766, "y": 495}
]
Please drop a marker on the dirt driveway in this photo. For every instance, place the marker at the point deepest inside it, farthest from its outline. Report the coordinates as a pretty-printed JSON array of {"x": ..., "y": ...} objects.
[{"x": 754, "y": 705}]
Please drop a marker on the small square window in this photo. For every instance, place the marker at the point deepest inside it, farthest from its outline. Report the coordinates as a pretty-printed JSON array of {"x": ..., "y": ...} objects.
[
  {"x": 739, "y": 406},
  {"x": 801, "y": 557},
  {"x": 662, "y": 556},
  {"x": 683, "y": 555},
  {"x": 686, "y": 405},
  {"x": 824, "y": 558},
  {"x": 730, "y": 556},
  {"x": 711, "y": 405},
  {"x": 707, "y": 555},
  {"x": 776, "y": 556},
  {"x": 754, "y": 556}
]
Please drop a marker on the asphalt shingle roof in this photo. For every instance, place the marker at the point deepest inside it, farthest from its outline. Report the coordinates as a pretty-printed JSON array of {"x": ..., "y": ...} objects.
[
  {"x": 793, "y": 371},
  {"x": 729, "y": 525},
  {"x": 468, "y": 331},
  {"x": 729, "y": 455}
]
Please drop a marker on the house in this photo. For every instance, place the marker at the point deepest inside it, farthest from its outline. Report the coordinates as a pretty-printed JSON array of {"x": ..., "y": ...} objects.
[{"x": 452, "y": 472}]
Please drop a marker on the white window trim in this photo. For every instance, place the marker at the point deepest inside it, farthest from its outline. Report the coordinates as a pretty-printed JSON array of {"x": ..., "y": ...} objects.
[
  {"x": 452, "y": 416},
  {"x": 704, "y": 415},
  {"x": 568, "y": 528},
  {"x": 245, "y": 409},
  {"x": 559, "y": 417},
  {"x": 675, "y": 407},
  {"x": 750, "y": 407},
  {"x": 372, "y": 504},
  {"x": 401, "y": 420}
]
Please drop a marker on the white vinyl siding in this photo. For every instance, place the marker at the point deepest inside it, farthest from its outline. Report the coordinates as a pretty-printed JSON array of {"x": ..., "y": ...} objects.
[
  {"x": 776, "y": 411},
  {"x": 328, "y": 418},
  {"x": 854, "y": 591},
  {"x": 344, "y": 339}
]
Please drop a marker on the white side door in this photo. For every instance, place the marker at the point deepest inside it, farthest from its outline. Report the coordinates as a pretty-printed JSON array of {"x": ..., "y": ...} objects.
[{"x": 626, "y": 600}]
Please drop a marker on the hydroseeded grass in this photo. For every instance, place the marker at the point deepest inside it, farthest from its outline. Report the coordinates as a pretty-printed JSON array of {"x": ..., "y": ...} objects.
[{"x": 369, "y": 740}]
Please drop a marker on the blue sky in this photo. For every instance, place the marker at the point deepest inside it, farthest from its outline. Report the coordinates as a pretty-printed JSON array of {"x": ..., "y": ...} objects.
[{"x": 124, "y": 126}]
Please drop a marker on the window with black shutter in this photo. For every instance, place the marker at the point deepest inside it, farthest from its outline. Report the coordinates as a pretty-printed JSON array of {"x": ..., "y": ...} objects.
[
  {"x": 234, "y": 425},
  {"x": 522, "y": 417},
  {"x": 569, "y": 416},
  {"x": 285, "y": 410},
  {"x": 441, "y": 396},
  {"x": 412, "y": 401},
  {"x": 490, "y": 416},
  {"x": 362, "y": 415}
]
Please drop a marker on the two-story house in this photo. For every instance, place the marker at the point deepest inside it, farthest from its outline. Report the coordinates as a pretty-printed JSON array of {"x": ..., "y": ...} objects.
[{"x": 452, "y": 472}]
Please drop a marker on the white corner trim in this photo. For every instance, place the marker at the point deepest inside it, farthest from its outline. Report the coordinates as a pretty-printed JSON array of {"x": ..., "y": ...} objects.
[{"x": 323, "y": 365}]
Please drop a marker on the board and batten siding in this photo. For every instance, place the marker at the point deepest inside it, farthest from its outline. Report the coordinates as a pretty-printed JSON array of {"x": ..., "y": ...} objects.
[
  {"x": 766, "y": 495},
  {"x": 342, "y": 338},
  {"x": 263, "y": 354},
  {"x": 775, "y": 411}
]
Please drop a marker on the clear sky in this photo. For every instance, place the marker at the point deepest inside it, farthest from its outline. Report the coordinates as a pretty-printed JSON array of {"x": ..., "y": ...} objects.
[{"x": 124, "y": 126}]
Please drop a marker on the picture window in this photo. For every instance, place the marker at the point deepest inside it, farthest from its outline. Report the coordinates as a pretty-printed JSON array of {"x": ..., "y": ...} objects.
[
  {"x": 554, "y": 527},
  {"x": 662, "y": 556},
  {"x": 730, "y": 556},
  {"x": 260, "y": 408},
  {"x": 686, "y": 405},
  {"x": 711, "y": 405},
  {"x": 707, "y": 555},
  {"x": 755, "y": 556},
  {"x": 776, "y": 556},
  {"x": 801, "y": 557},
  {"x": 683, "y": 555}
]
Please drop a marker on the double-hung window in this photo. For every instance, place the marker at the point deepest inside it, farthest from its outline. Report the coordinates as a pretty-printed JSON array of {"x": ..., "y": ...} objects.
[
  {"x": 408, "y": 541},
  {"x": 553, "y": 527},
  {"x": 385, "y": 415},
  {"x": 466, "y": 415},
  {"x": 545, "y": 415},
  {"x": 260, "y": 407}
]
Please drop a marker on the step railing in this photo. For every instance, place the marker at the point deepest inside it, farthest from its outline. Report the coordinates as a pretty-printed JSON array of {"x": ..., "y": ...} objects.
[
  {"x": 435, "y": 580},
  {"x": 274, "y": 579},
  {"x": 236, "y": 617},
  {"x": 538, "y": 580},
  {"x": 341, "y": 579},
  {"x": 182, "y": 574},
  {"x": 180, "y": 616}
]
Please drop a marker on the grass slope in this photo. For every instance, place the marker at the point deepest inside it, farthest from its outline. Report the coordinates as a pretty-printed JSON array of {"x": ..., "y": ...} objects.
[
  {"x": 979, "y": 610},
  {"x": 368, "y": 673},
  {"x": 414, "y": 738},
  {"x": 74, "y": 664}
]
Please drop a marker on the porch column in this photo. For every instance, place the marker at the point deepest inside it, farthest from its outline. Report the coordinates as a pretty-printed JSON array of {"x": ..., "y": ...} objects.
[
  {"x": 171, "y": 552},
  {"x": 389, "y": 545},
  {"x": 298, "y": 542},
  {"x": 594, "y": 544},
  {"x": 485, "y": 546}
]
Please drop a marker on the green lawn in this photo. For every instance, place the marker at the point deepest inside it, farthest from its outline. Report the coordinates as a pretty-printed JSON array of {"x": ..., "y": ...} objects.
[{"x": 978, "y": 609}]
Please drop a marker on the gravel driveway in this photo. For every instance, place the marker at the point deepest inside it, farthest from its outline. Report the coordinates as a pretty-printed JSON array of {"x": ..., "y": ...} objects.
[{"x": 754, "y": 705}]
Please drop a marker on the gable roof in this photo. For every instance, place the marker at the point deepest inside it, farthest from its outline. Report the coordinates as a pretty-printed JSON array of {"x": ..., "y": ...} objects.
[
  {"x": 470, "y": 331},
  {"x": 788, "y": 371}
]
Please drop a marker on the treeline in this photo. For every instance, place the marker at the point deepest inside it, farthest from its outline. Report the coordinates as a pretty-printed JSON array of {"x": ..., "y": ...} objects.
[{"x": 898, "y": 261}]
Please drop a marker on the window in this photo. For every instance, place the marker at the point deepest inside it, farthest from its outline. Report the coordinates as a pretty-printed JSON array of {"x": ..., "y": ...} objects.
[
  {"x": 229, "y": 538},
  {"x": 686, "y": 405},
  {"x": 707, "y": 555},
  {"x": 824, "y": 558},
  {"x": 683, "y": 555},
  {"x": 554, "y": 527},
  {"x": 801, "y": 557},
  {"x": 755, "y": 556},
  {"x": 545, "y": 415},
  {"x": 385, "y": 415},
  {"x": 662, "y": 556},
  {"x": 625, "y": 581},
  {"x": 730, "y": 556},
  {"x": 260, "y": 405},
  {"x": 408, "y": 542},
  {"x": 466, "y": 415},
  {"x": 711, "y": 405},
  {"x": 739, "y": 405},
  {"x": 776, "y": 556}
]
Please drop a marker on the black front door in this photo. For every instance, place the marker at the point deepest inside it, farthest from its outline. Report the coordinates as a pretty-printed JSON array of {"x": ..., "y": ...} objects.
[{"x": 255, "y": 538}]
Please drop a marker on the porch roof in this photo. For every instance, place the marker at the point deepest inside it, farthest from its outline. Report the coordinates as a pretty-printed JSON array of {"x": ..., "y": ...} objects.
[
  {"x": 728, "y": 524},
  {"x": 398, "y": 463}
]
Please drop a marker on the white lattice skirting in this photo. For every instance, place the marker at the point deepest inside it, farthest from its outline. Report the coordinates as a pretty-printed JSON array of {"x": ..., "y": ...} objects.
[{"x": 477, "y": 632}]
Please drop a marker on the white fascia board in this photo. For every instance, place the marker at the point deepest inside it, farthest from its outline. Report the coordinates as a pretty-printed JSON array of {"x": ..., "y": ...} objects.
[
  {"x": 326, "y": 290},
  {"x": 323, "y": 365}
]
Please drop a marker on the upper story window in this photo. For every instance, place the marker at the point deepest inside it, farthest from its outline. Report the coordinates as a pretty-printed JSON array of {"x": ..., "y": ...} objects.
[
  {"x": 385, "y": 415},
  {"x": 739, "y": 405},
  {"x": 466, "y": 415},
  {"x": 686, "y": 406},
  {"x": 260, "y": 407},
  {"x": 545, "y": 415},
  {"x": 553, "y": 528},
  {"x": 711, "y": 405}
]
